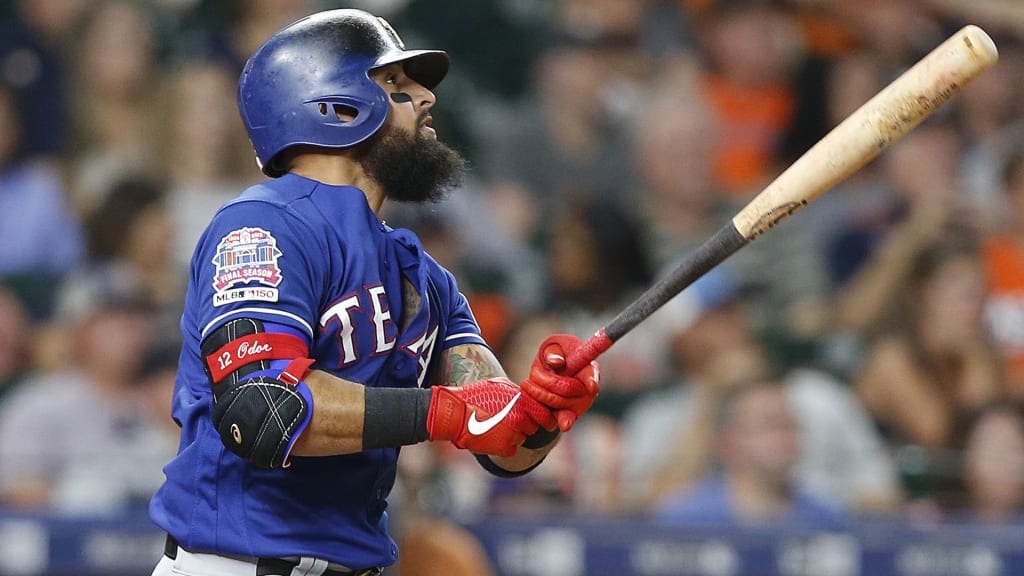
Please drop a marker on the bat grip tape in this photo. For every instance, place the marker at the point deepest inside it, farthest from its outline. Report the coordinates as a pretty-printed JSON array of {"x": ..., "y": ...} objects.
[{"x": 587, "y": 352}]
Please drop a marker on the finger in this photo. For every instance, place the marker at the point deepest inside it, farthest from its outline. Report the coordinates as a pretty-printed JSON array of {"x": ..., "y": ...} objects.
[
  {"x": 543, "y": 376},
  {"x": 537, "y": 412},
  {"x": 528, "y": 427},
  {"x": 553, "y": 356},
  {"x": 562, "y": 393},
  {"x": 569, "y": 387},
  {"x": 544, "y": 395},
  {"x": 566, "y": 418},
  {"x": 593, "y": 380},
  {"x": 539, "y": 415},
  {"x": 537, "y": 420}
]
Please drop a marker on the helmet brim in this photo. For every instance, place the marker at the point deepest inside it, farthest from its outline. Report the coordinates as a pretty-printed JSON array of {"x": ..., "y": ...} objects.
[{"x": 427, "y": 67}]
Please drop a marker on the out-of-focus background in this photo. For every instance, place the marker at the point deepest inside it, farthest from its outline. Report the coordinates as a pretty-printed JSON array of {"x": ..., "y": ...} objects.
[{"x": 607, "y": 138}]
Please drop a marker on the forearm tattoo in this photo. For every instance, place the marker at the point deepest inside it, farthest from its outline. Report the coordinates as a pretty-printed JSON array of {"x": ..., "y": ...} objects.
[{"x": 469, "y": 363}]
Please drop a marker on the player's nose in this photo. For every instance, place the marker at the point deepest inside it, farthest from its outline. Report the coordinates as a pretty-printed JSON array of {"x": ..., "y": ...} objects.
[{"x": 423, "y": 97}]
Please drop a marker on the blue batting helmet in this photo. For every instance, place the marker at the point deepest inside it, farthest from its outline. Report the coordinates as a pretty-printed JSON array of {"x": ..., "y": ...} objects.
[{"x": 304, "y": 84}]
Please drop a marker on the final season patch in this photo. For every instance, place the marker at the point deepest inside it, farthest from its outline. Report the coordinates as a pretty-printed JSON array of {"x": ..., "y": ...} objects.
[{"x": 245, "y": 256}]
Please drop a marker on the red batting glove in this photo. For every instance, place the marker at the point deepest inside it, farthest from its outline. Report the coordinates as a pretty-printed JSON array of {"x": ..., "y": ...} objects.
[
  {"x": 486, "y": 417},
  {"x": 569, "y": 396}
]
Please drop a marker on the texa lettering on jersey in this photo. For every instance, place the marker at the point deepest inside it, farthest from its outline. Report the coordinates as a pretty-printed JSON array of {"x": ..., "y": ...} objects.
[
  {"x": 373, "y": 299},
  {"x": 340, "y": 319}
]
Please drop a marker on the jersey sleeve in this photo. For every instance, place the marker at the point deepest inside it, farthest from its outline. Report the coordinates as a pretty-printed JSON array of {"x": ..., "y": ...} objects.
[
  {"x": 462, "y": 325},
  {"x": 257, "y": 260}
]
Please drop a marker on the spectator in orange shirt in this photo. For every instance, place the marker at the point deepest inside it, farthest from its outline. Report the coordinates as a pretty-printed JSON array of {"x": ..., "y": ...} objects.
[
  {"x": 1004, "y": 260},
  {"x": 752, "y": 49}
]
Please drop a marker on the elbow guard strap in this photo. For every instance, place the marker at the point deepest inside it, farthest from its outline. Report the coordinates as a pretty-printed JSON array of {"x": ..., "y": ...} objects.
[{"x": 249, "y": 350}]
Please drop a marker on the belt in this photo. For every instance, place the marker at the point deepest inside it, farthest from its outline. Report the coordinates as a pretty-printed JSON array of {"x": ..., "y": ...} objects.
[{"x": 277, "y": 566}]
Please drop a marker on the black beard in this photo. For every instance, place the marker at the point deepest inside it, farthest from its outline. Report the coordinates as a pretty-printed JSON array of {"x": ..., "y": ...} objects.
[{"x": 411, "y": 167}]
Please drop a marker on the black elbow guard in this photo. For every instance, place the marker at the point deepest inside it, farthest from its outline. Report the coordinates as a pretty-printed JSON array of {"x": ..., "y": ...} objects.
[{"x": 260, "y": 418}]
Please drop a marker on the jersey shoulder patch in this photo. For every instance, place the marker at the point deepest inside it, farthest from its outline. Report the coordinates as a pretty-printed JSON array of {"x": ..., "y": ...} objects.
[{"x": 246, "y": 267}]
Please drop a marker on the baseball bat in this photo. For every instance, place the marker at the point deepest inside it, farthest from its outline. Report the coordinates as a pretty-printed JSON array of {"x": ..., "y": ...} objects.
[{"x": 857, "y": 140}]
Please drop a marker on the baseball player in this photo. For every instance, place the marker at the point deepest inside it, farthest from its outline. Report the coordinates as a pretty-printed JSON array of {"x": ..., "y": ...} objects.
[{"x": 317, "y": 340}]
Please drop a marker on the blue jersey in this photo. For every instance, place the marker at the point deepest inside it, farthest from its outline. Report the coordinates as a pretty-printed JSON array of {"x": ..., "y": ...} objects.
[{"x": 315, "y": 259}]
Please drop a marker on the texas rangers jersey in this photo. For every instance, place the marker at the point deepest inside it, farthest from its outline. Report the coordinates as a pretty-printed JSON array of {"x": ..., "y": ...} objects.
[{"x": 316, "y": 260}]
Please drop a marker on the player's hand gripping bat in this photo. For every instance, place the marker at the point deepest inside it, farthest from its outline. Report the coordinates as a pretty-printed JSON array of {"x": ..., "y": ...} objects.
[{"x": 858, "y": 139}]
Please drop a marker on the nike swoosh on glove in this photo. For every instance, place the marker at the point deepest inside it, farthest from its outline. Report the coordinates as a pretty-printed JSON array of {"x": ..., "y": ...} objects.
[
  {"x": 568, "y": 395},
  {"x": 490, "y": 416}
]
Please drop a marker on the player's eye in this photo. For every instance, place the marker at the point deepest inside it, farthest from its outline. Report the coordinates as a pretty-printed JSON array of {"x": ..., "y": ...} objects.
[{"x": 391, "y": 79}]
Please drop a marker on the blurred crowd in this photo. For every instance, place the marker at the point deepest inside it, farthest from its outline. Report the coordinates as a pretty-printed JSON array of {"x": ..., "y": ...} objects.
[{"x": 863, "y": 360}]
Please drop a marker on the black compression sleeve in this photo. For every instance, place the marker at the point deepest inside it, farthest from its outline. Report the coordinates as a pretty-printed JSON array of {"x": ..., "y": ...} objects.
[{"x": 395, "y": 417}]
